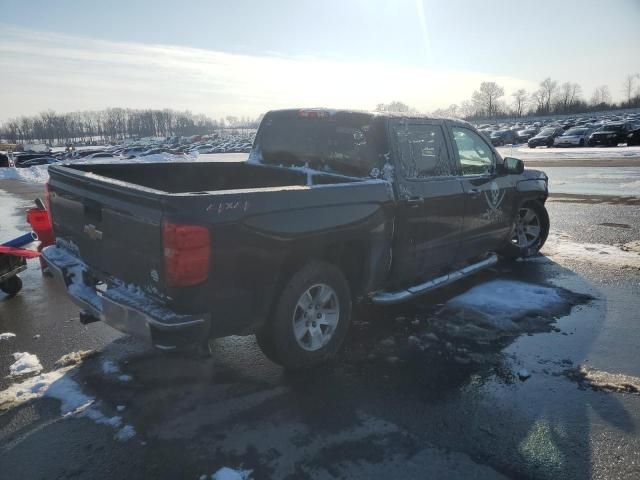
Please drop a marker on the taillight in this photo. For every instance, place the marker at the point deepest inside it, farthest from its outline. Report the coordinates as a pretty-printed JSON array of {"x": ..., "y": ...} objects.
[{"x": 186, "y": 254}]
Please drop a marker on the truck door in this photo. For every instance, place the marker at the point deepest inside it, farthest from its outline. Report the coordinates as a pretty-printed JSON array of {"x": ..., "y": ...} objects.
[
  {"x": 490, "y": 199},
  {"x": 431, "y": 201}
]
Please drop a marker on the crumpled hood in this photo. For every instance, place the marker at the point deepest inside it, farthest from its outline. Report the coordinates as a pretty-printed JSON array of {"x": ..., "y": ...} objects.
[{"x": 531, "y": 174}]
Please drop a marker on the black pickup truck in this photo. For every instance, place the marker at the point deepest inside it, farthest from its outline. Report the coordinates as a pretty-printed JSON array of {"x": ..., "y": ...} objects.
[{"x": 331, "y": 207}]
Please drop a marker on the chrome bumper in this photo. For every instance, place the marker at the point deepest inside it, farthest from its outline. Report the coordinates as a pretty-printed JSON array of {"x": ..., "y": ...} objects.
[{"x": 126, "y": 309}]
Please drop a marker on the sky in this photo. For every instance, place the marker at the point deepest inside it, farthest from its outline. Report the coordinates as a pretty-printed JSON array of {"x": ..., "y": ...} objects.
[{"x": 244, "y": 57}]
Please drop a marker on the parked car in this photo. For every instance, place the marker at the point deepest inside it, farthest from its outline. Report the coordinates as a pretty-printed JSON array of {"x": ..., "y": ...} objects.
[
  {"x": 4, "y": 160},
  {"x": 32, "y": 162},
  {"x": 99, "y": 155},
  {"x": 503, "y": 137},
  {"x": 527, "y": 133},
  {"x": 633, "y": 138},
  {"x": 331, "y": 207},
  {"x": 611, "y": 134},
  {"x": 574, "y": 137},
  {"x": 546, "y": 137}
]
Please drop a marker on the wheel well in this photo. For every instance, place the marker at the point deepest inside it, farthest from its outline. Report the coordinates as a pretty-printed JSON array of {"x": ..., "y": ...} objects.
[{"x": 349, "y": 257}]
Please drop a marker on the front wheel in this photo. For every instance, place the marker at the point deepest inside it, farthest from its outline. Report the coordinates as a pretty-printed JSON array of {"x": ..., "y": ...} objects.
[
  {"x": 530, "y": 231},
  {"x": 310, "y": 320},
  {"x": 11, "y": 286}
]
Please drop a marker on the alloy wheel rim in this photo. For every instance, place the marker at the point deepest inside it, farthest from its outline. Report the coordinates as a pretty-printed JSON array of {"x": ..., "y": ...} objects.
[
  {"x": 316, "y": 317},
  {"x": 528, "y": 228}
]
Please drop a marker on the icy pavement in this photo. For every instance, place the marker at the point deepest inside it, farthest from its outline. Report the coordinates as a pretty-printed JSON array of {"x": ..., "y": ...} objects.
[
  {"x": 524, "y": 152},
  {"x": 621, "y": 181},
  {"x": 60, "y": 385}
]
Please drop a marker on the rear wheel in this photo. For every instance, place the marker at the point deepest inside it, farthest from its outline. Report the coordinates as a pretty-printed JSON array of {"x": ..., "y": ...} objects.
[
  {"x": 310, "y": 320},
  {"x": 530, "y": 231},
  {"x": 11, "y": 286}
]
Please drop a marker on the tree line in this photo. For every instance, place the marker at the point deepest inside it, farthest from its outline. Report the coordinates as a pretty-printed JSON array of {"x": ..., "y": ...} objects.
[
  {"x": 551, "y": 97},
  {"x": 114, "y": 124}
]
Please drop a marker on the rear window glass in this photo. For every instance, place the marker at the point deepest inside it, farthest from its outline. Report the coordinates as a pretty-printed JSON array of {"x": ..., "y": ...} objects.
[{"x": 345, "y": 143}]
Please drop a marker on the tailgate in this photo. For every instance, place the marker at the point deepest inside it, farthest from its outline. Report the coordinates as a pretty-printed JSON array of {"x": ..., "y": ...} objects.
[{"x": 115, "y": 226}]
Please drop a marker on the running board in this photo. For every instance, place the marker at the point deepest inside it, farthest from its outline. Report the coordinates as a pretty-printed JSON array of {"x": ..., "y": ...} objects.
[{"x": 388, "y": 298}]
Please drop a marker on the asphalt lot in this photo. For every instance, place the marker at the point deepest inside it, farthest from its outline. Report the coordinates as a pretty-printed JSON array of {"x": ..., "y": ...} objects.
[{"x": 422, "y": 390}]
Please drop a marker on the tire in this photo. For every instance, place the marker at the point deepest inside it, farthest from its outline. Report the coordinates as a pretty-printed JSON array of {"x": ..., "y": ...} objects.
[
  {"x": 531, "y": 146},
  {"x": 550, "y": 143},
  {"x": 11, "y": 286},
  {"x": 581, "y": 144},
  {"x": 523, "y": 242},
  {"x": 310, "y": 320}
]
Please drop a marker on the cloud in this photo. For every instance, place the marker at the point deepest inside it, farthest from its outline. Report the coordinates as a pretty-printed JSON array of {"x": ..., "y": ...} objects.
[{"x": 61, "y": 72}]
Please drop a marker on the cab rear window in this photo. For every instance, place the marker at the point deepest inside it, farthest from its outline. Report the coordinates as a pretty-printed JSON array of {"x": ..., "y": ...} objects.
[{"x": 345, "y": 143}]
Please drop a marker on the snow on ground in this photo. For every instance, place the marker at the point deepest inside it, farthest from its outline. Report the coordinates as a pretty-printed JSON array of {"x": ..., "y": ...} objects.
[
  {"x": 498, "y": 301},
  {"x": 25, "y": 363},
  {"x": 40, "y": 174},
  {"x": 60, "y": 385},
  {"x": 561, "y": 247},
  {"x": 7, "y": 335},
  {"x": 110, "y": 368},
  {"x": 599, "y": 380},
  {"x": 37, "y": 174},
  {"x": 226, "y": 473}
]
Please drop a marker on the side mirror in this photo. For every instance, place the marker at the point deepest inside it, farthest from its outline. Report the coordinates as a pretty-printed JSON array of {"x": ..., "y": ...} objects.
[{"x": 513, "y": 166}]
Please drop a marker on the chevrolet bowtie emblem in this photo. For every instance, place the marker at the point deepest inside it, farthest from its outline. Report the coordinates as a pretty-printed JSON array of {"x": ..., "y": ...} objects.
[{"x": 92, "y": 232}]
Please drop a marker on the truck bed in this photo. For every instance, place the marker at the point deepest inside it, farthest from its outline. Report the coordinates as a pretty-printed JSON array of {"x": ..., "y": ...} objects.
[
  {"x": 196, "y": 177},
  {"x": 111, "y": 216}
]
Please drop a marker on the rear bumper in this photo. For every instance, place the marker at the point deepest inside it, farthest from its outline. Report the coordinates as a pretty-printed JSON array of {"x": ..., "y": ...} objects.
[{"x": 126, "y": 308}]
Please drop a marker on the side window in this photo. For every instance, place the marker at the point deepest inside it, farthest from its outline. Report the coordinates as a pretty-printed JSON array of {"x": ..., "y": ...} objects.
[
  {"x": 476, "y": 158},
  {"x": 422, "y": 151}
]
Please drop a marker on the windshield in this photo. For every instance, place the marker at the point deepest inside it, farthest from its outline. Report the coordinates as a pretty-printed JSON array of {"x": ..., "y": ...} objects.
[
  {"x": 345, "y": 143},
  {"x": 547, "y": 131},
  {"x": 574, "y": 131}
]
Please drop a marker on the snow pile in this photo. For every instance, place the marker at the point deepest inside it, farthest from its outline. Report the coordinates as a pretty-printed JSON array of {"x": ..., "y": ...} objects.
[
  {"x": 7, "y": 335},
  {"x": 561, "y": 247},
  {"x": 110, "y": 368},
  {"x": 500, "y": 297},
  {"x": 59, "y": 384},
  {"x": 73, "y": 358},
  {"x": 499, "y": 304},
  {"x": 25, "y": 363},
  {"x": 226, "y": 473}
]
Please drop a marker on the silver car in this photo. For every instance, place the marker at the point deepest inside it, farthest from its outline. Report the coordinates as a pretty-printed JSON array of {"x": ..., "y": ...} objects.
[{"x": 574, "y": 137}]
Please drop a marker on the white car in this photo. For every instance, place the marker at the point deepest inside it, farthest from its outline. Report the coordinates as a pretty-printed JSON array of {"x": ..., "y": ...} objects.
[{"x": 574, "y": 137}]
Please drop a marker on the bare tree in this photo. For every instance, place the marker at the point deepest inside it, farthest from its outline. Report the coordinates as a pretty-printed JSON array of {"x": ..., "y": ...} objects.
[
  {"x": 520, "y": 99},
  {"x": 467, "y": 109},
  {"x": 394, "y": 107},
  {"x": 548, "y": 90},
  {"x": 601, "y": 96},
  {"x": 627, "y": 86},
  {"x": 486, "y": 98},
  {"x": 569, "y": 95}
]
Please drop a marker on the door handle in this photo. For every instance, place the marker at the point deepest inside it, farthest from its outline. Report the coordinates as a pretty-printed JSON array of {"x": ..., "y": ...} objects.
[
  {"x": 414, "y": 201},
  {"x": 473, "y": 191}
]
